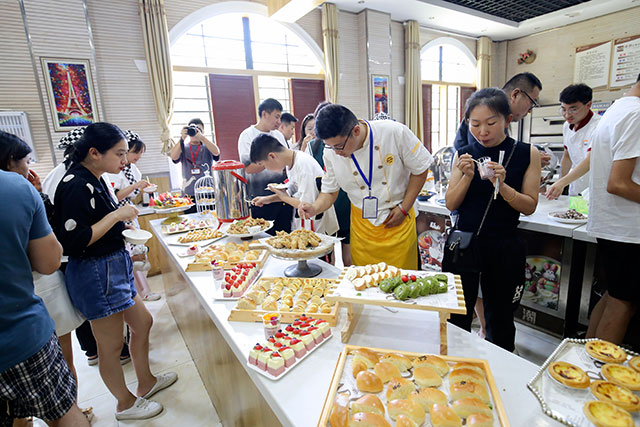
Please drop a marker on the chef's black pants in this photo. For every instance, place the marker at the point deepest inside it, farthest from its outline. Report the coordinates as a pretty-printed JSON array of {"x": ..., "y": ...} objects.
[{"x": 502, "y": 264}]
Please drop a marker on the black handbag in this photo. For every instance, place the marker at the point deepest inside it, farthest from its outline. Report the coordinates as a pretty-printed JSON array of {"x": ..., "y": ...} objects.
[{"x": 461, "y": 251}]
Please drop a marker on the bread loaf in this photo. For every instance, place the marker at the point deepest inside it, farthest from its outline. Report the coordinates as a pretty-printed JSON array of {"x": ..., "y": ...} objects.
[
  {"x": 340, "y": 411},
  {"x": 425, "y": 376},
  {"x": 465, "y": 374},
  {"x": 479, "y": 420},
  {"x": 443, "y": 416},
  {"x": 462, "y": 389},
  {"x": 428, "y": 396},
  {"x": 368, "y": 403},
  {"x": 434, "y": 362},
  {"x": 368, "y": 382},
  {"x": 367, "y": 356},
  {"x": 368, "y": 419},
  {"x": 405, "y": 421},
  {"x": 408, "y": 408},
  {"x": 469, "y": 405},
  {"x": 467, "y": 365},
  {"x": 399, "y": 388},
  {"x": 401, "y": 361},
  {"x": 357, "y": 366},
  {"x": 386, "y": 371}
]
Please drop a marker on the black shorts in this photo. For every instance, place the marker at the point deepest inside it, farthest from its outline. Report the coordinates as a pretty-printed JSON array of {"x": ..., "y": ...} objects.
[
  {"x": 42, "y": 386},
  {"x": 620, "y": 271}
]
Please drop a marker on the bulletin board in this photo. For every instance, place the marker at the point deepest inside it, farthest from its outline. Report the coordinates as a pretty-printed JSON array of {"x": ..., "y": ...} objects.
[
  {"x": 625, "y": 65},
  {"x": 592, "y": 65}
]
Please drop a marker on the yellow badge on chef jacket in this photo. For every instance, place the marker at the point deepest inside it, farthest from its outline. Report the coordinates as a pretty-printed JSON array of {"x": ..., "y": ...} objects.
[{"x": 388, "y": 159}]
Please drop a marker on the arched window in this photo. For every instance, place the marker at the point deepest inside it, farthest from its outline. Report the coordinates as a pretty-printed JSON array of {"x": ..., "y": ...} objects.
[
  {"x": 448, "y": 77},
  {"x": 229, "y": 42}
]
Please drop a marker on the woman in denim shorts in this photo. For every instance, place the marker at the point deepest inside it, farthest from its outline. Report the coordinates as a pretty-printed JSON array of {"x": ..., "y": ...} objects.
[{"x": 99, "y": 274}]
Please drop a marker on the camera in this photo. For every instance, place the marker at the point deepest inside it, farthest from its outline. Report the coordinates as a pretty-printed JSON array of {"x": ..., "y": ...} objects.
[{"x": 192, "y": 130}]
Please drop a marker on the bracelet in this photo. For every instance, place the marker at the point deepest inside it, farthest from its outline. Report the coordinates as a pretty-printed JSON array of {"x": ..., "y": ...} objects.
[
  {"x": 402, "y": 210},
  {"x": 515, "y": 193}
]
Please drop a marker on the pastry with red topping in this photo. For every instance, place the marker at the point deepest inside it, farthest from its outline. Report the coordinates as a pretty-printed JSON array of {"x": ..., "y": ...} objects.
[{"x": 275, "y": 364}]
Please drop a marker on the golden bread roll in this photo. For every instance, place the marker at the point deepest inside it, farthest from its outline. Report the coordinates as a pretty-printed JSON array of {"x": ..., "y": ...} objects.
[
  {"x": 425, "y": 376},
  {"x": 479, "y": 420},
  {"x": 404, "y": 421},
  {"x": 465, "y": 374},
  {"x": 469, "y": 405},
  {"x": 340, "y": 411},
  {"x": 368, "y": 403},
  {"x": 367, "y": 356},
  {"x": 605, "y": 414},
  {"x": 386, "y": 371},
  {"x": 368, "y": 382},
  {"x": 435, "y": 362},
  {"x": 368, "y": 280},
  {"x": 634, "y": 363},
  {"x": 401, "y": 361},
  {"x": 358, "y": 366},
  {"x": 616, "y": 394},
  {"x": 352, "y": 274},
  {"x": 246, "y": 303},
  {"x": 463, "y": 389},
  {"x": 368, "y": 419},
  {"x": 428, "y": 396},
  {"x": 359, "y": 284},
  {"x": 467, "y": 365},
  {"x": 406, "y": 407},
  {"x": 622, "y": 375},
  {"x": 382, "y": 266},
  {"x": 443, "y": 416},
  {"x": 399, "y": 388}
]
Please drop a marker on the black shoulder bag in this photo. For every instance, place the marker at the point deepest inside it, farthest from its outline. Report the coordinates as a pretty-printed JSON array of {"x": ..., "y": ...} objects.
[{"x": 461, "y": 251}]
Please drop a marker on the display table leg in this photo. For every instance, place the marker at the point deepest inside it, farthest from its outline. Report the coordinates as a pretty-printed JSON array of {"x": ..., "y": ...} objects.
[
  {"x": 443, "y": 333},
  {"x": 353, "y": 314}
]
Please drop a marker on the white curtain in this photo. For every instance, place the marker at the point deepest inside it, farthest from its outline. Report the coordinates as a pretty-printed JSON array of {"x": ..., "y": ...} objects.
[
  {"x": 156, "y": 47},
  {"x": 330, "y": 39},
  {"x": 413, "y": 79}
]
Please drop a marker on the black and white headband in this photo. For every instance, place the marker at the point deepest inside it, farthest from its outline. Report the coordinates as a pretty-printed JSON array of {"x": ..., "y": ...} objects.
[{"x": 71, "y": 138}]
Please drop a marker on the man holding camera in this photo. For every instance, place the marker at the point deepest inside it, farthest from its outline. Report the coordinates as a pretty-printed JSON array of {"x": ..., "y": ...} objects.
[{"x": 194, "y": 155}]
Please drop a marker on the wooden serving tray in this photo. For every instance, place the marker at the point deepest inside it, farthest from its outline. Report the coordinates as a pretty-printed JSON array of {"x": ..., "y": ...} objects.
[
  {"x": 228, "y": 265},
  {"x": 241, "y": 315},
  {"x": 340, "y": 375}
]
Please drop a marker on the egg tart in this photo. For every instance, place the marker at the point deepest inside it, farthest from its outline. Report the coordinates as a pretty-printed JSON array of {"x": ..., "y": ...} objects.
[
  {"x": 634, "y": 362},
  {"x": 605, "y": 351},
  {"x": 622, "y": 375},
  {"x": 618, "y": 395},
  {"x": 569, "y": 375},
  {"x": 604, "y": 414}
]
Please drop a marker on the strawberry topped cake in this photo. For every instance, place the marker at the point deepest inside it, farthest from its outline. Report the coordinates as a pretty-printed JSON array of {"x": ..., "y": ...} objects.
[{"x": 237, "y": 281}]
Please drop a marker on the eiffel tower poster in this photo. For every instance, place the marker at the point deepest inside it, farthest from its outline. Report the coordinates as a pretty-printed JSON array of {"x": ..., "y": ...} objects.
[{"x": 70, "y": 92}]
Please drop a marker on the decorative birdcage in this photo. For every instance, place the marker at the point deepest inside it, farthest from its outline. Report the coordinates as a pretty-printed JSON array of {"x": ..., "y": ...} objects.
[{"x": 205, "y": 196}]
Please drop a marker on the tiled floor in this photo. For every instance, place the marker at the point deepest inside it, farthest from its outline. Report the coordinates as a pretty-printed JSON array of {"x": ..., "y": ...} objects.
[{"x": 186, "y": 402}]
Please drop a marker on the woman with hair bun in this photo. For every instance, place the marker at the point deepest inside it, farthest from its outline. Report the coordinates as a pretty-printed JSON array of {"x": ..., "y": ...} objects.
[
  {"x": 99, "y": 273},
  {"x": 493, "y": 218}
]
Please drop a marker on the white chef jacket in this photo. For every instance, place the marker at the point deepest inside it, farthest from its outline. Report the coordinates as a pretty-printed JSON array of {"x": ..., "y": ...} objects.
[
  {"x": 578, "y": 143},
  {"x": 302, "y": 185},
  {"x": 613, "y": 217},
  {"x": 397, "y": 155}
]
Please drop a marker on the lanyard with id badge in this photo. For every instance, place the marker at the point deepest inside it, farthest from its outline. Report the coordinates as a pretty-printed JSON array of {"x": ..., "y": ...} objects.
[
  {"x": 195, "y": 170},
  {"x": 369, "y": 203}
]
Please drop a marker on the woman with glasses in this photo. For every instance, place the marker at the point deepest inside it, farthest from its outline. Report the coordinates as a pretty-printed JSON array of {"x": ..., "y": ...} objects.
[{"x": 382, "y": 166}]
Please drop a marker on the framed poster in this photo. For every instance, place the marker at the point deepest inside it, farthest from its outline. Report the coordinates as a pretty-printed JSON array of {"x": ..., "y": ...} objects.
[
  {"x": 592, "y": 65},
  {"x": 626, "y": 61},
  {"x": 380, "y": 87},
  {"x": 70, "y": 92}
]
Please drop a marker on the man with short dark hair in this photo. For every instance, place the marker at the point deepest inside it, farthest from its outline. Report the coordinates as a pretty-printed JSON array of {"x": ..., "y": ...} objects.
[
  {"x": 614, "y": 214},
  {"x": 522, "y": 90},
  {"x": 382, "y": 166},
  {"x": 34, "y": 377},
  {"x": 196, "y": 157},
  {"x": 287, "y": 127},
  {"x": 269, "y": 112},
  {"x": 575, "y": 107}
]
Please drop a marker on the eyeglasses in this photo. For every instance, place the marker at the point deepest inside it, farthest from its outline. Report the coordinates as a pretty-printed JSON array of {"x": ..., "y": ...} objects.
[
  {"x": 572, "y": 110},
  {"x": 341, "y": 146},
  {"x": 534, "y": 103}
]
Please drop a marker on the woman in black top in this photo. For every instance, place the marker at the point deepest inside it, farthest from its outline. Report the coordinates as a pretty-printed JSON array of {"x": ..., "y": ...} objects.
[
  {"x": 502, "y": 252},
  {"x": 99, "y": 273}
]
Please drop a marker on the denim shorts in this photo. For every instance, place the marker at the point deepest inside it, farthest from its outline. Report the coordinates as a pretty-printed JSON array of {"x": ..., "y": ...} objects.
[{"x": 101, "y": 286}]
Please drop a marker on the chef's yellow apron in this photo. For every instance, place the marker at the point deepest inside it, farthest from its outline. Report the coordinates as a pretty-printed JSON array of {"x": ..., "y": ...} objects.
[{"x": 370, "y": 244}]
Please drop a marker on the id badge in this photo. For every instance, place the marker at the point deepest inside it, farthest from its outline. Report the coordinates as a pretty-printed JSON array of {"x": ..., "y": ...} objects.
[
  {"x": 195, "y": 171},
  {"x": 370, "y": 207}
]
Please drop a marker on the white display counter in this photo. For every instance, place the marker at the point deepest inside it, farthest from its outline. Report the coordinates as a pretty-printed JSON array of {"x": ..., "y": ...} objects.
[{"x": 296, "y": 399}]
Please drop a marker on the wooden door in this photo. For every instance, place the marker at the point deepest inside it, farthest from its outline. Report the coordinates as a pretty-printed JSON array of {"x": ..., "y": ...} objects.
[{"x": 305, "y": 97}]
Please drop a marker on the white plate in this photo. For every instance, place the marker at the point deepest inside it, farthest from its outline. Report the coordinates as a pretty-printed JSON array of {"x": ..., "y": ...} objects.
[
  {"x": 136, "y": 237},
  {"x": 250, "y": 234},
  {"x": 441, "y": 202},
  {"x": 150, "y": 188},
  {"x": 565, "y": 220},
  {"x": 282, "y": 186},
  {"x": 218, "y": 295},
  {"x": 286, "y": 370}
]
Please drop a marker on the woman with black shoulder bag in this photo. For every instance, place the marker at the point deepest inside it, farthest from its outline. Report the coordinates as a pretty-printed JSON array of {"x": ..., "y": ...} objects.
[{"x": 493, "y": 181}]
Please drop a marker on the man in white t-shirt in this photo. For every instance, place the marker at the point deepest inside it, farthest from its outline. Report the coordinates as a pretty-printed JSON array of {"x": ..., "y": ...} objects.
[
  {"x": 305, "y": 175},
  {"x": 269, "y": 111},
  {"x": 614, "y": 214},
  {"x": 577, "y": 132}
]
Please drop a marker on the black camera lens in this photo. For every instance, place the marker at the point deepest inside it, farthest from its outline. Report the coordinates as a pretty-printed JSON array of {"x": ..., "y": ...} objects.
[{"x": 192, "y": 130}]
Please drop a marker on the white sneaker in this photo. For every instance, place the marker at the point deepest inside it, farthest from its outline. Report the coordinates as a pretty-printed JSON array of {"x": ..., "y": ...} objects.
[
  {"x": 162, "y": 381},
  {"x": 140, "y": 410}
]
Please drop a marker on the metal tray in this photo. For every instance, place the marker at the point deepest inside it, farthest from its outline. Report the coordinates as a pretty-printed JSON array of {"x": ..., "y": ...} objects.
[{"x": 562, "y": 403}]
